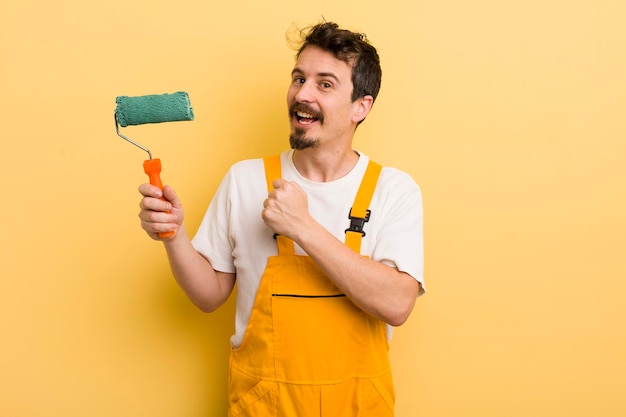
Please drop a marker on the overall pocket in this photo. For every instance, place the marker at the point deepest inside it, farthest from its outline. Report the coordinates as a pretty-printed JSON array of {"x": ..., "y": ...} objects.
[
  {"x": 250, "y": 397},
  {"x": 378, "y": 397}
]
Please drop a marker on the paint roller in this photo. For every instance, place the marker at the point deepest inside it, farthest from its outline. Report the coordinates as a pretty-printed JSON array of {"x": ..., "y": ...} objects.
[{"x": 154, "y": 108}]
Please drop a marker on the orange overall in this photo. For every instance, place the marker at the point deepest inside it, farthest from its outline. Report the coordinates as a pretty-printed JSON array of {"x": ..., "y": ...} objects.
[{"x": 308, "y": 350}]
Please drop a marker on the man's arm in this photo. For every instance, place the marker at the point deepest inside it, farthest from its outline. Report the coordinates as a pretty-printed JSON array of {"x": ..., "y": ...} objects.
[
  {"x": 206, "y": 288},
  {"x": 380, "y": 290}
]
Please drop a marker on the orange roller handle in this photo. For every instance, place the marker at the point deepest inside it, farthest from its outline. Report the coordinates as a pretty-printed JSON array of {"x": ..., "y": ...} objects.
[{"x": 152, "y": 167}]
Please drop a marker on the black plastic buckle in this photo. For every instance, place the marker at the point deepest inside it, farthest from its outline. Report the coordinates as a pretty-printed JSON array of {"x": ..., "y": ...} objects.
[{"x": 357, "y": 223}]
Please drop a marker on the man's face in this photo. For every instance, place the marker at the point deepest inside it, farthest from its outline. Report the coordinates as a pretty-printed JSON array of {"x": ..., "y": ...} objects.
[{"x": 319, "y": 100}]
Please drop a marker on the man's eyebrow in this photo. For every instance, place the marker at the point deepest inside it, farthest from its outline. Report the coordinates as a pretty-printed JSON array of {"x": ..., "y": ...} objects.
[
  {"x": 297, "y": 71},
  {"x": 328, "y": 75}
]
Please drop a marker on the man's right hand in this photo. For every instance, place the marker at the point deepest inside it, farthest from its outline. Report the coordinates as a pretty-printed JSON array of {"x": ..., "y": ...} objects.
[{"x": 161, "y": 210}]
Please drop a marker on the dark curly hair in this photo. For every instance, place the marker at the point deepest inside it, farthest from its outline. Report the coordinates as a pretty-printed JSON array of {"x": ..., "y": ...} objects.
[{"x": 352, "y": 48}]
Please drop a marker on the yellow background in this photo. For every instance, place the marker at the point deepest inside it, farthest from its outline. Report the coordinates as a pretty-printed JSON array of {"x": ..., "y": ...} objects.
[{"x": 509, "y": 114}]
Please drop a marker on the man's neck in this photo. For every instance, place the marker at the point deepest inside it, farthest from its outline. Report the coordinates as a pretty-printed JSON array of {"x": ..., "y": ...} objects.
[{"x": 319, "y": 166}]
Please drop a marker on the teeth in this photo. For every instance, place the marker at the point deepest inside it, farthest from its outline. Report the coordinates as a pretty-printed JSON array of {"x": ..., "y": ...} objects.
[{"x": 305, "y": 115}]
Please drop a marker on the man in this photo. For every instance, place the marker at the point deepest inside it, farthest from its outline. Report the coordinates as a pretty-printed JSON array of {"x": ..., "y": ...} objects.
[{"x": 325, "y": 247}]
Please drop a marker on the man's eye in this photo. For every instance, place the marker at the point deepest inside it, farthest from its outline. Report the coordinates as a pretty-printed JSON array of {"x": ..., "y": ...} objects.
[
  {"x": 326, "y": 85},
  {"x": 298, "y": 80}
]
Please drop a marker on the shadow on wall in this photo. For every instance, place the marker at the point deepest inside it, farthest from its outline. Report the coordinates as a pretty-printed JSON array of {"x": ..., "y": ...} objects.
[{"x": 203, "y": 343}]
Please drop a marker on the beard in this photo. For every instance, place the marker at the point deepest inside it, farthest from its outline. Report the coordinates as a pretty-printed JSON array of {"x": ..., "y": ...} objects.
[
  {"x": 298, "y": 138},
  {"x": 299, "y": 141}
]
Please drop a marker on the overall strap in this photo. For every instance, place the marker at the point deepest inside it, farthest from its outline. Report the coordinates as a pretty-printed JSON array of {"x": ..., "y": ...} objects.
[
  {"x": 272, "y": 172},
  {"x": 360, "y": 214}
]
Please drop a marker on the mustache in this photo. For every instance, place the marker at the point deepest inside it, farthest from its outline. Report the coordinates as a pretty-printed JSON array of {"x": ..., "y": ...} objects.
[{"x": 304, "y": 108}]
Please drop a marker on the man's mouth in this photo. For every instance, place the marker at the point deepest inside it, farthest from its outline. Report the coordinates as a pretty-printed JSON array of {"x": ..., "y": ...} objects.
[
  {"x": 305, "y": 118},
  {"x": 304, "y": 115}
]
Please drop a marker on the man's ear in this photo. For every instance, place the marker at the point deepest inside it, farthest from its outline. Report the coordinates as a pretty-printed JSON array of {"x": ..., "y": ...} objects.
[{"x": 363, "y": 106}]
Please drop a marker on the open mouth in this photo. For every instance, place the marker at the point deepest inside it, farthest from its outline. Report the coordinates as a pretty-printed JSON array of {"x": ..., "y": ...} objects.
[
  {"x": 304, "y": 115},
  {"x": 305, "y": 118}
]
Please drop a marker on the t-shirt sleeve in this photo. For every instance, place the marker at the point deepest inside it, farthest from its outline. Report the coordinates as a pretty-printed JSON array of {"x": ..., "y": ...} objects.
[
  {"x": 212, "y": 240},
  {"x": 400, "y": 240}
]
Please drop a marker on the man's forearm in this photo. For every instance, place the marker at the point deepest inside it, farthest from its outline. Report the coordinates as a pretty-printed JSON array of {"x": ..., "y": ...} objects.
[
  {"x": 206, "y": 288},
  {"x": 378, "y": 289}
]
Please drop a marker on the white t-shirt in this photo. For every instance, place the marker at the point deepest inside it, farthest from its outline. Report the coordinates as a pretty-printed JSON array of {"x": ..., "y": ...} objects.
[{"x": 234, "y": 238}]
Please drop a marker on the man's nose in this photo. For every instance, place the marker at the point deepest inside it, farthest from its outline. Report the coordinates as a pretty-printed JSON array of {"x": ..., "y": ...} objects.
[{"x": 305, "y": 93}]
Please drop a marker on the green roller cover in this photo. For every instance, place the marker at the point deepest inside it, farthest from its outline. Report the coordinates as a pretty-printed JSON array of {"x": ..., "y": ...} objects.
[{"x": 155, "y": 108}]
